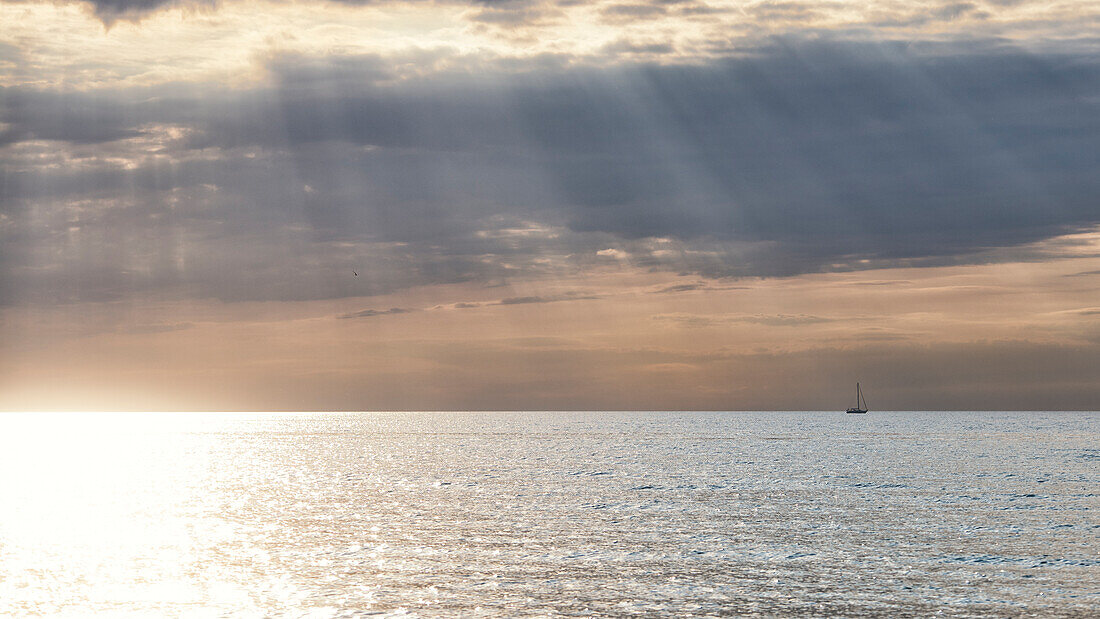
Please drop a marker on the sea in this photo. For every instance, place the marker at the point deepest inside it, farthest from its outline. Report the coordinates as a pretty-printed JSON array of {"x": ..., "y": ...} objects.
[{"x": 518, "y": 514}]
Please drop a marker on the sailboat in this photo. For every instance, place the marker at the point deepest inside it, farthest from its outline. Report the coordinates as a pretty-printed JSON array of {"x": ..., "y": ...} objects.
[{"x": 858, "y": 409}]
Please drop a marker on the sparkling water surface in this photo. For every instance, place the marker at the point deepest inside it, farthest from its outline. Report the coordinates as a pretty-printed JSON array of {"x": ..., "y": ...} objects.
[{"x": 518, "y": 514}]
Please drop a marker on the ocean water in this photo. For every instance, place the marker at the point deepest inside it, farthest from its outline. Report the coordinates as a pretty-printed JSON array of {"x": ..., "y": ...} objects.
[{"x": 522, "y": 514}]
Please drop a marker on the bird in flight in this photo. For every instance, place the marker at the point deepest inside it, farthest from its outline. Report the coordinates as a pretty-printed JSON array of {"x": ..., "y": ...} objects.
[{"x": 355, "y": 274}]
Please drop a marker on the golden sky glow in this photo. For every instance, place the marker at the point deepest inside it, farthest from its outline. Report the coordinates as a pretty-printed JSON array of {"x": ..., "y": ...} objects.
[{"x": 617, "y": 335}]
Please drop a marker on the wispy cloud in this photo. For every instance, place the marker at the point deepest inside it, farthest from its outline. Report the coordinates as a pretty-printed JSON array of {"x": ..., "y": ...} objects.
[
  {"x": 370, "y": 313},
  {"x": 710, "y": 286},
  {"x": 713, "y": 320},
  {"x": 546, "y": 299},
  {"x": 680, "y": 288}
]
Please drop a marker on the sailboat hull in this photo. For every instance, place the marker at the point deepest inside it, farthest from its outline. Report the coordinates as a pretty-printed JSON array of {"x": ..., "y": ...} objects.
[{"x": 855, "y": 411}]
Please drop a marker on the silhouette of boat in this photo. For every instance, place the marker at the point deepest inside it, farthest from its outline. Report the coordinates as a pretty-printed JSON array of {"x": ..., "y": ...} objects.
[{"x": 857, "y": 409}]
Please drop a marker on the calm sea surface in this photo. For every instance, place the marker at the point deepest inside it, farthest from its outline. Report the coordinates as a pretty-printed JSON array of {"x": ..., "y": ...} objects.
[{"x": 885, "y": 514}]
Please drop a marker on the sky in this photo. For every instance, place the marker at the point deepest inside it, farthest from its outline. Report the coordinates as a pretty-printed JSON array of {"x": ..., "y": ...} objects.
[{"x": 549, "y": 204}]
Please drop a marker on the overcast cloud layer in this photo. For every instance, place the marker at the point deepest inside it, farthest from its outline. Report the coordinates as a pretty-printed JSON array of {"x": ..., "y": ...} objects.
[{"x": 800, "y": 156}]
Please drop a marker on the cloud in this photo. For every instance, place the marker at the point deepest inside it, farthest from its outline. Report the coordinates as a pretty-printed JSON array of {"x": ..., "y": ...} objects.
[
  {"x": 509, "y": 12},
  {"x": 891, "y": 282},
  {"x": 618, "y": 13},
  {"x": 110, "y": 11},
  {"x": 771, "y": 320},
  {"x": 797, "y": 11},
  {"x": 569, "y": 296},
  {"x": 78, "y": 118},
  {"x": 515, "y": 14},
  {"x": 370, "y": 313},
  {"x": 681, "y": 288},
  {"x": 523, "y": 300},
  {"x": 797, "y": 156},
  {"x": 871, "y": 149},
  {"x": 611, "y": 252},
  {"x": 783, "y": 320},
  {"x": 701, "y": 285},
  {"x": 627, "y": 46},
  {"x": 691, "y": 25}
]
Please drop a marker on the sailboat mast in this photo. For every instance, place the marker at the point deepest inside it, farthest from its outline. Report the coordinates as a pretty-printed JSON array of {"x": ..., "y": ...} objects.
[{"x": 861, "y": 402}]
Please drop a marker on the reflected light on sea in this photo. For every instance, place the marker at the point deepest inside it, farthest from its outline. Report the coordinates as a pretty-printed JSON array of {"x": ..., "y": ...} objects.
[
  {"x": 453, "y": 514},
  {"x": 115, "y": 512}
]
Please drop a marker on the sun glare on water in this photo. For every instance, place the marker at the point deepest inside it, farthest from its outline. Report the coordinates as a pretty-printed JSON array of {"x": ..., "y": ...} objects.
[{"x": 109, "y": 508}]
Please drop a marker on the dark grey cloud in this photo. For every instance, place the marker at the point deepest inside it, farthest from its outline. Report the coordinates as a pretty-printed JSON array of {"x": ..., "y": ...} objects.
[
  {"x": 802, "y": 156},
  {"x": 522, "y": 300},
  {"x": 860, "y": 145},
  {"x": 370, "y": 313},
  {"x": 627, "y": 46},
  {"x": 955, "y": 10},
  {"x": 515, "y": 14},
  {"x": 511, "y": 12},
  {"x": 110, "y": 11},
  {"x": 545, "y": 299},
  {"x": 890, "y": 282},
  {"x": 80, "y": 118},
  {"x": 784, "y": 10},
  {"x": 681, "y": 288},
  {"x": 703, "y": 286},
  {"x": 829, "y": 145},
  {"x": 631, "y": 12}
]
